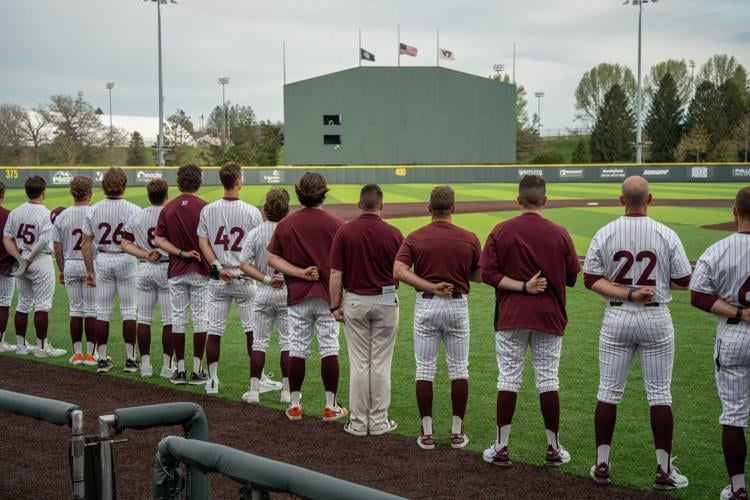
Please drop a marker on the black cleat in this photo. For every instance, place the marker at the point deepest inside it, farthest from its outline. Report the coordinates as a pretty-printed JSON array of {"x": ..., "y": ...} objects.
[
  {"x": 104, "y": 365},
  {"x": 179, "y": 378},
  {"x": 198, "y": 378},
  {"x": 131, "y": 366}
]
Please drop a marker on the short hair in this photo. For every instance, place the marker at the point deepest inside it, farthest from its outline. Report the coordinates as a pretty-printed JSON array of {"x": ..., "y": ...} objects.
[
  {"x": 442, "y": 200},
  {"x": 157, "y": 190},
  {"x": 35, "y": 186},
  {"x": 277, "y": 204},
  {"x": 81, "y": 187},
  {"x": 532, "y": 189},
  {"x": 2, "y": 190},
  {"x": 114, "y": 182},
  {"x": 229, "y": 173},
  {"x": 189, "y": 178},
  {"x": 742, "y": 202},
  {"x": 371, "y": 197},
  {"x": 311, "y": 189}
]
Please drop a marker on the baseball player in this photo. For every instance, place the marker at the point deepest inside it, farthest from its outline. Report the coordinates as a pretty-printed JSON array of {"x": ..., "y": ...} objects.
[
  {"x": 299, "y": 250},
  {"x": 27, "y": 237},
  {"x": 361, "y": 262},
  {"x": 176, "y": 234},
  {"x": 634, "y": 262},
  {"x": 529, "y": 261},
  {"x": 445, "y": 258},
  {"x": 6, "y": 280},
  {"x": 115, "y": 270},
  {"x": 269, "y": 305},
  {"x": 721, "y": 286},
  {"x": 223, "y": 227},
  {"x": 68, "y": 243},
  {"x": 151, "y": 282}
]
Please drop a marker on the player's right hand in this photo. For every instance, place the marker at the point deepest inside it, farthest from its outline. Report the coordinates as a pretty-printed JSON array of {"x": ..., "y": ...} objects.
[
  {"x": 746, "y": 315},
  {"x": 277, "y": 281},
  {"x": 61, "y": 278},
  {"x": 153, "y": 256},
  {"x": 192, "y": 254},
  {"x": 645, "y": 294},
  {"x": 442, "y": 289},
  {"x": 537, "y": 284},
  {"x": 338, "y": 314},
  {"x": 311, "y": 274},
  {"x": 90, "y": 279}
]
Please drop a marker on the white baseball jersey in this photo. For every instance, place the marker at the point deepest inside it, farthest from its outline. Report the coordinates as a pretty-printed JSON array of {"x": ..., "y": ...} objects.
[
  {"x": 143, "y": 226},
  {"x": 68, "y": 231},
  {"x": 106, "y": 223},
  {"x": 255, "y": 249},
  {"x": 29, "y": 224},
  {"x": 225, "y": 224},
  {"x": 637, "y": 252}
]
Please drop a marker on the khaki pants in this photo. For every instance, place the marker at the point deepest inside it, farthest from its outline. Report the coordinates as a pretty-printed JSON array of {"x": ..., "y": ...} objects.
[{"x": 370, "y": 329}]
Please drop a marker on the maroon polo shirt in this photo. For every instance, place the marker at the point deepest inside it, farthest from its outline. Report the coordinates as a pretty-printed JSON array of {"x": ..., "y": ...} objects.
[
  {"x": 178, "y": 223},
  {"x": 304, "y": 239},
  {"x": 364, "y": 251},
  {"x": 519, "y": 248},
  {"x": 441, "y": 251},
  {"x": 4, "y": 212}
]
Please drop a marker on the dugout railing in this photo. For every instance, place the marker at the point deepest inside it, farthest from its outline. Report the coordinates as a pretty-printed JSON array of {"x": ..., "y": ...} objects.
[
  {"x": 257, "y": 476},
  {"x": 58, "y": 413}
]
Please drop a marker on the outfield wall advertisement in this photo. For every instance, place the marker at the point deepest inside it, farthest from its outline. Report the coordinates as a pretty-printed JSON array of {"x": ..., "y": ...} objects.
[{"x": 433, "y": 174}]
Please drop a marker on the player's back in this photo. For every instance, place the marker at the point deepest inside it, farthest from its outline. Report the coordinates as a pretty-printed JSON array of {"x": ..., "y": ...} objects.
[
  {"x": 143, "y": 227},
  {"x": 726, "y": 265},
  {"x": 69, "y": 225},
  {"x": 28, "y": 224},
  {"x": 106, "y": 223},
  {"x": 639, "y": 251},
  {"x": 226, "y": 223},
  {"x": 256, "y": 246}
]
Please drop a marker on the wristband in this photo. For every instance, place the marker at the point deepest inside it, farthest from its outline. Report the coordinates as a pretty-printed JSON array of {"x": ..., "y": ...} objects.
[
  {"x": 267, "y": 279},
  {"x": 334, "y": 309},
  {"x": 524, "y": 288},
  {"x": 738, "y": 315},
  {"x": 217, "y": 265},
  {"x": 181, "y": 254},
  {"x": 630, "y": 295}
]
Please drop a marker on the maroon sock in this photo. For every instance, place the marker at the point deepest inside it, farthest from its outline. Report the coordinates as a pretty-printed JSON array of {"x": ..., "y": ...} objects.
[
  {"x": 102, "y": 332},
  {"x": 89, "y": 326},
  {"x": 662, "y": 425},
  {"x": 167, "y": 344},
  {"x": 424, "y": 398},
  {"x": 257, "y": 361},
  {"x": 41, "y": 324},
  {"x": 213, "y": 349},
  {"x": 144, "y": 339},
  {"x": 605, "y": 417},
  {"x": 179, "y": 345},
  {"x": 296, "y": 373},
  {"x": 329, "y": 372},
  {"x": 21, "y": 322},
  {"x": 130, "y": 332},
  {"x": 459, "y": 396},
  {"x": 284, "y": 362},
  {"x": 3, "y": 321},
  {"x": 199, "y": 344},
  {"x": 249, "y": 343},
  {"x": 505, "y": 407},
  {"x": 735, "y": 449},
  {"x": 76, "y": 329},
  {"x": 550, "y": 403}
]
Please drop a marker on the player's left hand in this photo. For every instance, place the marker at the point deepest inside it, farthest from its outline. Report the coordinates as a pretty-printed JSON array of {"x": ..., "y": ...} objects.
[
  {"x": 277, "y": 281},
  {"x": 225, "y": 275},
  {"x": 338, "y": 314},
  {"x": 746, "y": 315},
  {"x": 192, "y": 254},
  {"x": 537, "y": 284},
  {"x": 645, "y": 294},
  {"x": 61, "y": 278},
  {"x": 90, "y": 279},
  {"x": 153, "y": 256}
]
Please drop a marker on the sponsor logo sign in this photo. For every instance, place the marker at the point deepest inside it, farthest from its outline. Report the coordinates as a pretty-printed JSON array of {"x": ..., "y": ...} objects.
[
  {"x": 741, "y": 172},
  {"x": 62, "y": 178},
  {"x": 401, "y": 172},
  {"x": 699, "y": 173},
  {"x": 571, "y": 173},
  {"x": 98, "y": 175},
  {"x": 144, "y": 176},
  {"x": 656, "y": 172},
  {"x": 612, "y": 173},
  {"x": 274, "y": 177},
  {"x": 529, "y": 171}
]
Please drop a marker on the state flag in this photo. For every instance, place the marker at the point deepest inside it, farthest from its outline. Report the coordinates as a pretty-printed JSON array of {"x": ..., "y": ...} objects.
[
  {"x": 447, "y": 55},
  {"x": 366, "y": 56}
]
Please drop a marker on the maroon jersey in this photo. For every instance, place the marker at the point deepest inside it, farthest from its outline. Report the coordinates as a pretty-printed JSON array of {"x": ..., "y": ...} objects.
[
  {"x": 364, "y": 250},
  {"x": 178, "y": 223},
  {"x": 519, "y": 248},
  {"x": 441, "y": 251},
  {"x": 3, "y": 219},
  {"x": 304, "y": 239}
]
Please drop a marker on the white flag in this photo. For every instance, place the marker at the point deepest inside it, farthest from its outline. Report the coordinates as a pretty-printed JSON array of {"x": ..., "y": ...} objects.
[{"x": 447, "y": 55}]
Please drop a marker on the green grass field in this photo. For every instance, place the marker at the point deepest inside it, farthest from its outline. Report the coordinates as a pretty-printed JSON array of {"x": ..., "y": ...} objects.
[{"x": 697, "y": 443}]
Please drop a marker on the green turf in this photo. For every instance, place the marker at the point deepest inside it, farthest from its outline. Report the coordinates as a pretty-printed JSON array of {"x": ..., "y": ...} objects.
[{"x": 697, "y": 441}]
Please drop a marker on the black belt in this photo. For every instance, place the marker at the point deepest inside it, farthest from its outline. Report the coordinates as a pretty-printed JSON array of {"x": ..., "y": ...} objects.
[
  {"x": 649, "y": 304},
  {"x": 107, "y": 251},
  {"x": 430, "y": 296}
]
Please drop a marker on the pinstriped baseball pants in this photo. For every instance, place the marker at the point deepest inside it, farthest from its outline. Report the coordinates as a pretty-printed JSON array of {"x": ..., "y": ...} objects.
[
  {"x": 189, "y": 290},
  {"x": 81, "y": 297},
  {"x": 269, "y": 306},
  {"x": 153, "y": 287},
  {"x": 115, "y": 275},
  {"x": 441, "y": 319},
  {"x": 220, "y": 296},
  {"x": 36, "y": 286},
  {"x": 732, "y": 357},
  {"x": 313, "y": 313},
  {"x": 510, "y": 348},
  {"x": 6, "y": 290}
]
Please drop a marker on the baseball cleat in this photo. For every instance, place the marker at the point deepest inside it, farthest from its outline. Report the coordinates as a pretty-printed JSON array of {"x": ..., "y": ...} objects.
[
  {"x": 390, "y": 426},
  {"x": 556, "y": 457},
  {"x": 104, "y": 365},
  {"x": 146, "y": 371},
  {"x": 500, "y": 457},
  {"x": 89, "y": 360},
  {"x": 268, "y": 385},
  {"x": 426, "y": 441},
  {"x": 24, "y": 350},
  {"x": 6, "y": 347},
  {"x": 459, "y": 440},
  {"x": 251, "y": 397},
  {"x": 728, "y": 494},
  {"x": 131, "y": 366},
  {"x": 350, "y": 429},
  {"x": 212, "y": 386},
  {"x": 672, "y": 480},
  {"x": 334, "y": 413},
  {"x": 179, "y": 378},
  {"x": 76, "y": 359},
  {"x": 48, "y": 351},
  {"x": 600, "y": 473},
  {"x": 286, "y": 397},
  {"x": 167, "y": 372},
  {"x": 294, "y": 413},
  {"x": 198, "y": 378}
]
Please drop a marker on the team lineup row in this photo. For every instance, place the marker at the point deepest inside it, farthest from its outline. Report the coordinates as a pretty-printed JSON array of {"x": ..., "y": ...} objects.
[{"x": 292, "y": 270}]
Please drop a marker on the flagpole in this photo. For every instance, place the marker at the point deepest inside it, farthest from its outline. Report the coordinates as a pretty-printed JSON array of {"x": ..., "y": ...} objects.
[
  {"x": 437, "y": 60},
  {"x": 283, "y": 59},
  {"x": 359, "y": 53},
  {"x": 514, "y": 63},
  {"x": 398, "y": 44}
]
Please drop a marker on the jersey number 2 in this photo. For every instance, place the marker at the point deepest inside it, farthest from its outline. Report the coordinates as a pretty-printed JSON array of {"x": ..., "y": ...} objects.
[
  {"x": 222, "y": 238},
  {"x": 645, "y": 279},
  {"x": 77, "y": 232}
]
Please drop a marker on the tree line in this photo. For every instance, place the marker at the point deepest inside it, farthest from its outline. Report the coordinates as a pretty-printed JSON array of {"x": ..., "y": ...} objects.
[{"x": 68, "y": 130}]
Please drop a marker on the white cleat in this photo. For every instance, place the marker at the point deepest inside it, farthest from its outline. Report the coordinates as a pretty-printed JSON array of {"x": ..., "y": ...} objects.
[
  {"x": 48, "y": 351},
  {"x": 146, "y": 371},
  {"x": 672, "y": 481},
  {"x": 167, "y": 372},
  {"x": 251, "y": 397},
  {"x": 268, "y": 385},
  {"x": 6, "y": 347},
  {"x": 286, "y": 397},
  {"x": 212, "y": 386}
]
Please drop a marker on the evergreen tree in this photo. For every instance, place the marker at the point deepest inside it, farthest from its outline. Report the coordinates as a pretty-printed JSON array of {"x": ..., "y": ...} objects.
[
  {"x": 705, "y": 112},
  {"x": 582, "y": 153},
  {"x": 664, "y": 121},
  {"x": 613, "y": 134},
  {"x": 137, "y": 154}
]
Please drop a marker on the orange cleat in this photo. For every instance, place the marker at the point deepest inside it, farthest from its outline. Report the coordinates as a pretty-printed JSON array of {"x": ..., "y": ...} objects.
[
  {"x": 294, "y": 412},
  {"x": 89, "y": 360},
  {"x": 331, "y": 413},
  {"x": 76, "y": 359}
]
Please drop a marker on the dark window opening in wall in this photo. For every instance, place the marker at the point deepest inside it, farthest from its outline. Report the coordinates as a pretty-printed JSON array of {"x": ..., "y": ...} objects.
[
  {"x": 331, "y": 119},
  {"x": 333, "y": 140}
]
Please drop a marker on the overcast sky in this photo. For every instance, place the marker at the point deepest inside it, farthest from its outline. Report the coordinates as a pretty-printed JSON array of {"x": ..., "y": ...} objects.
[{"x": 62, "y": 46}]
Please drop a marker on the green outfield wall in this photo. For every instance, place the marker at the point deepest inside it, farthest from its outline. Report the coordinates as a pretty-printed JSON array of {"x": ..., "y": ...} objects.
[{"x": 430, "y": 174}]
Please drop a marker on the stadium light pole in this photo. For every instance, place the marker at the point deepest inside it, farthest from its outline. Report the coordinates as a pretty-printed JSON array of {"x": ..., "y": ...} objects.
[
  {"x": 110, "y": 86},
  {"x": 498, "y": 68},
  {"x": 639, "y": 103},
  {"x": 539, "y": 96},
  {"x": 691, "y": 63},
  {"x": 224, "y": 81},
  {"x": 160, "y": 138}
]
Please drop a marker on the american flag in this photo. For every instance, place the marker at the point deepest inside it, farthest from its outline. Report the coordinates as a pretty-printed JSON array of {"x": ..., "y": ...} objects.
[{"x": 407, "y": 50}]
